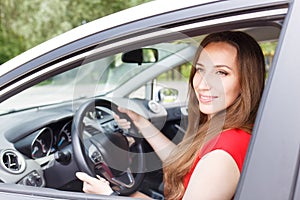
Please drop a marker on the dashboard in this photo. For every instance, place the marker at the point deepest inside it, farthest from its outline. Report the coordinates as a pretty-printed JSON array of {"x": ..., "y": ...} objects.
[{"x": 31, "y": 140}]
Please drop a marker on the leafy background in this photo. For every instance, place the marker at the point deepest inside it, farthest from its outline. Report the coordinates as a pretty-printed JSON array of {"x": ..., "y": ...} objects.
[{"x": 26, "y": 23}]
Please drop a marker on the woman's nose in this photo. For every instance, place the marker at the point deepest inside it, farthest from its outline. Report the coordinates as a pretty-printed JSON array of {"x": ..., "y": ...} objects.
[{"x": 202, "y": 82}]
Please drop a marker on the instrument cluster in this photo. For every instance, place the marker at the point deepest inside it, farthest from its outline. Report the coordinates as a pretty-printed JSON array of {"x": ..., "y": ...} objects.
[
  {"x": 55, "y": 136},
  {"x": 46, "y": 140}
]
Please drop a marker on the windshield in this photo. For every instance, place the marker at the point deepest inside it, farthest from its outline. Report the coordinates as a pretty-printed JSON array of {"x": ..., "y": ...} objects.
[{"x": 95, "y": 78}]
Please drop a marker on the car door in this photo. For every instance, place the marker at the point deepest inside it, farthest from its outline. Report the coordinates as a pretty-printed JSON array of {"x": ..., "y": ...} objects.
[{"x": 272, "y": 167}]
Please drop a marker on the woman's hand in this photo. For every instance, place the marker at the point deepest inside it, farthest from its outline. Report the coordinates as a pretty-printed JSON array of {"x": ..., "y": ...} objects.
[
  {"x": 139, "y": 121},
  {"x": 94, "y": 185},
  {"x": 159, "y": 142}
]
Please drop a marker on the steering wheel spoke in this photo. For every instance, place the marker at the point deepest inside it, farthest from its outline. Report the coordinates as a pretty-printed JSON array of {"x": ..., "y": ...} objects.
[{"x": 125, "y": 180}]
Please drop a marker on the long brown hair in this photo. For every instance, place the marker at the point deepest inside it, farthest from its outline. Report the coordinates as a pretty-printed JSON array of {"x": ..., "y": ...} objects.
[{"x": 241, "y": 114}]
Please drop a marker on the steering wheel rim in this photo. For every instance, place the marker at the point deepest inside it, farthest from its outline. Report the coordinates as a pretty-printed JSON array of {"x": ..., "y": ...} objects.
[{"x": 83, "y": 160}]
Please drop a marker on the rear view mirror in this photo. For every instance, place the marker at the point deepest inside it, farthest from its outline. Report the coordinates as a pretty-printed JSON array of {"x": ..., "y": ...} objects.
[{"x": 139, "y": 56}]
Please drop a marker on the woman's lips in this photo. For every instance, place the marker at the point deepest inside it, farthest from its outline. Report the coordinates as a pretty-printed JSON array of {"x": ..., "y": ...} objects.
[{"x": 206, "y": 98}]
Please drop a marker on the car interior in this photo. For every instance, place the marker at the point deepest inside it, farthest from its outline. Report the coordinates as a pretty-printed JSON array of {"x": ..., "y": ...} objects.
[{"x": 46, "y": 139}]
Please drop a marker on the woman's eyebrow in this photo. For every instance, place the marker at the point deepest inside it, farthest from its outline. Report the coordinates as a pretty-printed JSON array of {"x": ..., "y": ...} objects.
[
  {"x": 200, "y": 64},
  {"x": 216, "y": 66},
  {"x": 222, "y": 66}
]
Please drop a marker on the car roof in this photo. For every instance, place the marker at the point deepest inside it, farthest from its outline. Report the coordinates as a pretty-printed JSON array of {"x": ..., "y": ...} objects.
[{"x": 140, "y": 12}]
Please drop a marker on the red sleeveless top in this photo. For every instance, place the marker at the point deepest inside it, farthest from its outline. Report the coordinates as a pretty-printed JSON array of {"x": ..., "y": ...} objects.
[{"x": 233, "y": 141}]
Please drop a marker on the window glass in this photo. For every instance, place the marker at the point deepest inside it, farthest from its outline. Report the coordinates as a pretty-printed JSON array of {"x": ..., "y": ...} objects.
[
  {"x": 93, "y": 78},
  {"x": 176, "y": 78}
]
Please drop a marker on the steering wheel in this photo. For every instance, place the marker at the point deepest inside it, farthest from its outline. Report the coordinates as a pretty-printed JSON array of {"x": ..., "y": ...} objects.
[{"x": 108, "y": 153}]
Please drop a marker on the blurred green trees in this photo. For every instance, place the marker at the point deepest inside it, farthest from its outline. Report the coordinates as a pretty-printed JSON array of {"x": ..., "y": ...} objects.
[{"x": 26, "y": 23}]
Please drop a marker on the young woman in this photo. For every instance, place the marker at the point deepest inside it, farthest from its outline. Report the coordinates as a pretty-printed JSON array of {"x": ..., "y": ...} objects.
[{"x": 226, "y": 84}]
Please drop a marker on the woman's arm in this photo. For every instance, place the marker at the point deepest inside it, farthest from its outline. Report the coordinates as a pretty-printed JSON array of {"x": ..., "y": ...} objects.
[
  {"x": 159, "y": 142},
  {"x": 215, "y": 177}
]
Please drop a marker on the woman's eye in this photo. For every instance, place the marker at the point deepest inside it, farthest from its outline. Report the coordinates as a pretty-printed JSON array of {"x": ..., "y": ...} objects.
[
  {"x": 200, "y": 70},
  {"x": 222, "y": 73}
]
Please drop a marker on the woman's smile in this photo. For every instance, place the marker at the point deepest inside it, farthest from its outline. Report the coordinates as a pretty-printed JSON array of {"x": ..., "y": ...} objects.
[{"x": 206, "y": 99}]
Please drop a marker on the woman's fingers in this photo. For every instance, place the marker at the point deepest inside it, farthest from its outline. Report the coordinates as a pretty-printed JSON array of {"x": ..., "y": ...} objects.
[
  {"x": 123, "y": 110},
  {"x": 89, "y": 179},
  {"x": 83, "y": 177},
  {"x": 139, "y": 121},
  {"x": 116, "y": 117},
  {"x": 123, "y": 123},
  {"x": 103, "y": 180},
  {"x": 93, "y": 185},
  {"x": 131, "y": 114}
]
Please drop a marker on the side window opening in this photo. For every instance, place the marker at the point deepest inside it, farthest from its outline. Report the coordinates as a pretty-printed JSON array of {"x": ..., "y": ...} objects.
[{"x": 178, "y": 77}]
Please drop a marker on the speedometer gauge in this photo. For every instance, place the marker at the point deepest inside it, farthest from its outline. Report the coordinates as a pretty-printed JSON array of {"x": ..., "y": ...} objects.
[
  {"x": 42, "y": 143},
  {"x": 64, "y": 137}
]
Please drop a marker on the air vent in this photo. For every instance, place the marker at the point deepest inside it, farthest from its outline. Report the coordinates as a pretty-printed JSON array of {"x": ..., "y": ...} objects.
[{"x": 12, "y": 161}]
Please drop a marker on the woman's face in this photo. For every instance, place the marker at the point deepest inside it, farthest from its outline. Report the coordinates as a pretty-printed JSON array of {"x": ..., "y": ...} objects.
[{"x": 216, "y": 81}]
